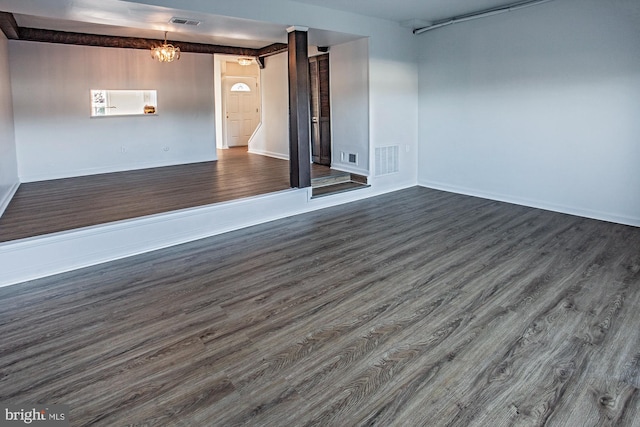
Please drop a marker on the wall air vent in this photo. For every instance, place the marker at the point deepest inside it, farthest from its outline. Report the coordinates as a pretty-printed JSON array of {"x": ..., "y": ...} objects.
[
  {"x": 387, "y": 160},
  {"x": 349, "y": 157},
  {"x": 185, "y": 21}
]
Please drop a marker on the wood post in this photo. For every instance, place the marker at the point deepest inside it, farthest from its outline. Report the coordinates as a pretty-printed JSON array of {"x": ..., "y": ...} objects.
[{"x": 299, "y": 141}]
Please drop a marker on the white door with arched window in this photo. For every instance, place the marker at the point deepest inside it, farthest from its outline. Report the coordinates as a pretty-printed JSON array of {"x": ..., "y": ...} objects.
[{"x": 242, "y": 109}]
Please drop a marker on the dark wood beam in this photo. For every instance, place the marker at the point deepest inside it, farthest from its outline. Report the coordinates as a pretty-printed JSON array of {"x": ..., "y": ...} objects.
[
  {"x": 8, "y": 25},
  {"x": 299, "y": 119},
  {"x": 10, "y": 28},
  {"x": 63, "y": 37},
  {"x": 272, "y": 49}
]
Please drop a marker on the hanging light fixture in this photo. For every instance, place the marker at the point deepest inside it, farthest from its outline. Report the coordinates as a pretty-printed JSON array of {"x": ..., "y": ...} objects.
[
  {"x": 166, "y": 52},
  {"x": 245, "y": 61}
]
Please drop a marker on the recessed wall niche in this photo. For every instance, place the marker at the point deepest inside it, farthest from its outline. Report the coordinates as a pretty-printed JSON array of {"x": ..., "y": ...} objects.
[{"x": 105, "y": 103}]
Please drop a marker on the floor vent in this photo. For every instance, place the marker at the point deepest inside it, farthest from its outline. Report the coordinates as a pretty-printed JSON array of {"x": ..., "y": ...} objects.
[
  {"x": 185, "y": 21},
  {"x": 387, "y": 161}
]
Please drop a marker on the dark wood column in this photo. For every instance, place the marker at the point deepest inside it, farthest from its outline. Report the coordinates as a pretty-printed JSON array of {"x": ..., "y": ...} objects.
[{"x": 299, "y": 142}]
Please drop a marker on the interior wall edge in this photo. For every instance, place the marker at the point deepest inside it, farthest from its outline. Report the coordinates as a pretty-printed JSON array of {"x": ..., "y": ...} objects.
[
  {"x": 9, "y": 169},
  {"x": 5, "y": 198}
]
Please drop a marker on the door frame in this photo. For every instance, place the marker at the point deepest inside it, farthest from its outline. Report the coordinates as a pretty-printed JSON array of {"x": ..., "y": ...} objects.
[
  {"x": 218, "y": 95},
  {"x": 320, "y": 125},
  {"x": 255, "y": 86}
]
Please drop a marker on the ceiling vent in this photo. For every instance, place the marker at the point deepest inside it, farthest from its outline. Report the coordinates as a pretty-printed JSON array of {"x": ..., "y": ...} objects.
[{"x": 185, "y": 21}]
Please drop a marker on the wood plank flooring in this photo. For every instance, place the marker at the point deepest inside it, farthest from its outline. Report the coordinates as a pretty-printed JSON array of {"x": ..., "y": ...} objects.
[
  {"x": 57, "y": 205},
  {"x": 415, "y": 308}
]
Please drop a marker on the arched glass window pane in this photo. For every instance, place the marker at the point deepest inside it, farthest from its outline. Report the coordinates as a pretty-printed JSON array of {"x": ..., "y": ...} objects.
[{"x": 240, "y": 87}]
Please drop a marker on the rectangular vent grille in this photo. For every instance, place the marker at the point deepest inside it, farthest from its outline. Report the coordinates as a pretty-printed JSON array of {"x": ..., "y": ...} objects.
[
  {"x": 387, "y": 160},
  {"x": 185, "y": 21}
]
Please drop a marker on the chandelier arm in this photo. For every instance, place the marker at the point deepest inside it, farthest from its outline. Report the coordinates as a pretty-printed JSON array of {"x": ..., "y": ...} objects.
[{"x": 166, "y": 52}]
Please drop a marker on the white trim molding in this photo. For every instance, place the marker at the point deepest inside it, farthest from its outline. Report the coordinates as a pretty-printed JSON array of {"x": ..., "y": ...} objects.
[
  {"x": 269, "y": 154},
  {"x": 6, "y": 198}
]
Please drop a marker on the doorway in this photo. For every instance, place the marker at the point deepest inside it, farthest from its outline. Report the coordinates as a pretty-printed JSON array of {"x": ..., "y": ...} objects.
[
  {"x": 241, "y": 105},
  {"x": 234, "y": 128},
  {"x": 320, "y": 108}
]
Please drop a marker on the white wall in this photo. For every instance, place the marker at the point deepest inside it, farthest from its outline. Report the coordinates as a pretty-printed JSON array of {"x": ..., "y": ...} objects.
[
  {"x": 539, "y": 107},
  {"x": 272, "y": 136},
  {"x": 349, "y": 85},
  {"x": 8, "y": 164},
  {"x": 393, "y": 111},
  {"x": 55, "y": 136}
]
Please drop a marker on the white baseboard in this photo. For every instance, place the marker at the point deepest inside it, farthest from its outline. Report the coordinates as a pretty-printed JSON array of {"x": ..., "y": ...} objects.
[
  {"x": 269, "y": 154},
  {"x": 110, "y": 169},
  {"x": 554, "y": 207},
  {"x": 5, "y": 198}
]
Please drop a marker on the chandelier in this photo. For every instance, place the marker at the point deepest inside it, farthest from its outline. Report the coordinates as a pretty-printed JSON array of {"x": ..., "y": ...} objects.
[{"x": 166, "y": 52}]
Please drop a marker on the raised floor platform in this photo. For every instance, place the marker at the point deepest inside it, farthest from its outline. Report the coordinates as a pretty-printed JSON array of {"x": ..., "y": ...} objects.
[
  {"x": 91, "y": 223},
  {"x": 41, "y": 208}
]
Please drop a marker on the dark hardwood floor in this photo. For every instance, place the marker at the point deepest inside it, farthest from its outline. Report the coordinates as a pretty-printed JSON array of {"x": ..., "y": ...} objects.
[
  {"x": 415, "y": 308},
  {"x": 57, "y": 205}
]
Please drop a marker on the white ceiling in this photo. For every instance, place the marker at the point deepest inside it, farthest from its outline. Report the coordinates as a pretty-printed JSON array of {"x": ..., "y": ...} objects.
[
  {"x": 408, "y": 10},
  {"x": 130, "y": 19},
  {"x": 220, "y": 31}
]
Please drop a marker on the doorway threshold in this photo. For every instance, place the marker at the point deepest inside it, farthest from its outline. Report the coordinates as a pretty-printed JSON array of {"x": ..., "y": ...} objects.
[
  {"x": 332, "y": 181},
  {"x": 342, "y": 187}
]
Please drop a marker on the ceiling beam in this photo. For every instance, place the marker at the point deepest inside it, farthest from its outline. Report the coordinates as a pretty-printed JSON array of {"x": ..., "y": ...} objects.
[
  {"x": 63, "y": 37},
  {"x": 8, "y": 25},
  {"x": 10, "y": 28},
  {"x": 272, "y": 49}
]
